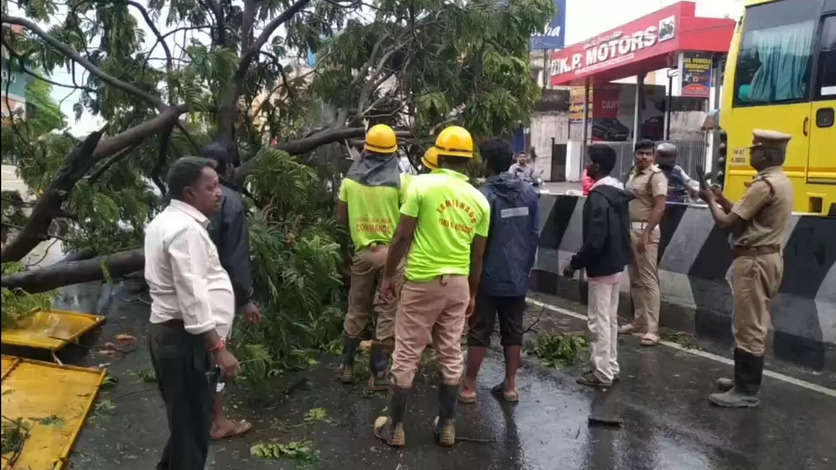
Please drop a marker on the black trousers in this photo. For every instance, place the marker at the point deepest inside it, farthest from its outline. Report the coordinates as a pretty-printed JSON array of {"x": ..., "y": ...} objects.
[{"x": 181, "y": 363}]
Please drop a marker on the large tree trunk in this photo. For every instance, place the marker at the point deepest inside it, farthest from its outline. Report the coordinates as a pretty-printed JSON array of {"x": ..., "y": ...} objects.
[{"x": 76, "y": 272}]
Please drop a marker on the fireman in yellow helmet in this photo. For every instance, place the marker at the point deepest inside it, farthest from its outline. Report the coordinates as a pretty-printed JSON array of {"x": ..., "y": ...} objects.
[
  {"x": 369, "y": 198},
  {"x": 442, "y": 231},
  {"x": 430, "y": 159}
]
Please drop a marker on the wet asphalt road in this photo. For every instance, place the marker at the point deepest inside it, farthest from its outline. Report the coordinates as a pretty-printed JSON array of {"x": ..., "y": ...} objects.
[{"x": 667, "y": 421}]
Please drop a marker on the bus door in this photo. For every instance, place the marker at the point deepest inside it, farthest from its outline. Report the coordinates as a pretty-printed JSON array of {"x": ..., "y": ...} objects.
[{"x": 821, "y": 168}]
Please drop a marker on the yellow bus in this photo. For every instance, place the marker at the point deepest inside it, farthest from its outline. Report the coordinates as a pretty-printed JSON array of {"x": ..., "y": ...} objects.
[{"x": 781, "y": 75}]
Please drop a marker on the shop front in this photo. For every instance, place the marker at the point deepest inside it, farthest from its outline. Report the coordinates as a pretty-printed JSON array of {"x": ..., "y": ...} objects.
[{"x": 654, "y": 78}]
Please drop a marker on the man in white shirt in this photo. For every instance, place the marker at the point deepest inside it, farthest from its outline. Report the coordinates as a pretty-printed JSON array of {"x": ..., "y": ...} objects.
[
  {"x": 522, "y": 170},
  {"x": 192, "y": 307}
]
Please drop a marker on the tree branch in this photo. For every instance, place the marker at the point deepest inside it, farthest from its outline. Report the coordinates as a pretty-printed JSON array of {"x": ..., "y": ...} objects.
[
  {"x": 75, "y": 166},
  {"x": 162, "y": 39},
  {"x": 189, "y": 137},
  {"x": 39, "y": 77},
  {"x": 265, "y": 35},
  {"x": 164, "y": 120},
  {"x": 229, "y": 105},
  {"x": 69, "y": 52},
  {"x": 94, "y": 177},
  {"x": 75, "y": 272},
  {"x": 161, "y": 159},
  {"x": 169, "y": 66}
]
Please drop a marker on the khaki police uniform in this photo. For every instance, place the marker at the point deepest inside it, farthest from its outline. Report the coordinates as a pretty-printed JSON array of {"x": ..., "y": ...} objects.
[
  {"x": 758, "y": 264},
  {"x": 645, "y": 185}
]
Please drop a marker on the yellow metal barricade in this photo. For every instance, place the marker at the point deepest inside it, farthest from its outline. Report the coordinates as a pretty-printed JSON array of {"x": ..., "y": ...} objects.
[
  {"x": 50, "y": 330},
  {"x": 51, "y": 402}
]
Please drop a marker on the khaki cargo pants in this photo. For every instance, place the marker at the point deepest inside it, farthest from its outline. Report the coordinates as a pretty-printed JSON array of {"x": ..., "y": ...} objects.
[
  {"x": 644, "y": 282},
  {"x": 433, "y": 310},
  {"x": 364, "y": 296},
  {"x": 755, "y": 280}
]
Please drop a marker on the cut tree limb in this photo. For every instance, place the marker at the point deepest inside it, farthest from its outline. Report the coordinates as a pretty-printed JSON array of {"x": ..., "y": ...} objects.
[
  {"x": 76, "y": 165},
  {"x": 76, "y": 272}
]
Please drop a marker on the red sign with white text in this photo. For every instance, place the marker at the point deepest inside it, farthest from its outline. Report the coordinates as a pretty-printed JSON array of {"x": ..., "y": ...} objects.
[{"x": 641, "y": 45}]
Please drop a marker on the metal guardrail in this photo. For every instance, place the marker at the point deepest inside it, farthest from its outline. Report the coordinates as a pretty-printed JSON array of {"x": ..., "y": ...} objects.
[{"x": 689, "y": 155}]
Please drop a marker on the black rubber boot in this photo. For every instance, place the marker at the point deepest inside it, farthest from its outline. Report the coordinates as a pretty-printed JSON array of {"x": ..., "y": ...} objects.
[
  {"x": 349, "y": 350},
  {"x": 753, "y": 372},
  {"x": 445, "y": 425},
  {"x": 748, "y": 371},
  {"x": 390, "y": 429},
  {"x": 378, "y": 366}
]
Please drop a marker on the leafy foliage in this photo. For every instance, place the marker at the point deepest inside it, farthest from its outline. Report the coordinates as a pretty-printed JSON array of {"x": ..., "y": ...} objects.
[
  {"x": 296, "y": 268},
  {"x": 561, "y": 350},
  {"x": 300, "y": 451},
  {"x": 15, "y": 432},
  {"x": 18, "y": 304},
  {"x": 51, "y": 420}
]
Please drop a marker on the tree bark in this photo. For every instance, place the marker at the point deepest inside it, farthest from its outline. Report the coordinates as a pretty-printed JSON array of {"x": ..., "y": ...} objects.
[
  {"x": 76, "y": 272},
  {"x": 75, "y": 166}
]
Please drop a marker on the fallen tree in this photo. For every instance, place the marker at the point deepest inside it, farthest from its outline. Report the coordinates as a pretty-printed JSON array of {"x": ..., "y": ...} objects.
[{"x": 230, "y": 73}]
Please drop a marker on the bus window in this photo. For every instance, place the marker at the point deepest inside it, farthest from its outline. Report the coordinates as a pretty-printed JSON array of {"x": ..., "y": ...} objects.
[
  {"x": 826, "y": 83},
  {"x": 773, "y": 63}
]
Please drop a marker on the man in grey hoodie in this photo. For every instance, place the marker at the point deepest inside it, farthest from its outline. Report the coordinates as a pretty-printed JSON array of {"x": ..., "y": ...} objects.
[{"x": 604, "y": 254}]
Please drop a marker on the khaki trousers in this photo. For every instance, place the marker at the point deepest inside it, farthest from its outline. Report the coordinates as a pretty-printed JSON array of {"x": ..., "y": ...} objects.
[
  {"x": 755, "y": 280},
  {"x": 602, "y": 319},
  {"x": 644, "y": 283},
  {"x": 364, "y": 296},
  {"x": 430, "y": 310}
]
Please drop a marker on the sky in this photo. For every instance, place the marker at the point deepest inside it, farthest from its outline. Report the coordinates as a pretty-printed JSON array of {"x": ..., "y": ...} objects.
[{"x": 584, "y": 19}]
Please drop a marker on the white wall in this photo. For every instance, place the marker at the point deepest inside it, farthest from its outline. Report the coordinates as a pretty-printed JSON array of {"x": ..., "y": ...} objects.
[
  {"x": 543, "y": 128},
  {"x": 574, "y": 160}
]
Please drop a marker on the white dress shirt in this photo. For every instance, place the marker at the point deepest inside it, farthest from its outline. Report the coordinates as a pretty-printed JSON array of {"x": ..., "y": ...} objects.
[{"x": 184, "y": 273}]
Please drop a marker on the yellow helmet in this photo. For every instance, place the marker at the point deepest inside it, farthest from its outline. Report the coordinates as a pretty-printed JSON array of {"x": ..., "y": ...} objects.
[
  {"x": 455, "y": 141},
  {"x": 430, "y": 158},
  {"x": 381, "y": 139}
]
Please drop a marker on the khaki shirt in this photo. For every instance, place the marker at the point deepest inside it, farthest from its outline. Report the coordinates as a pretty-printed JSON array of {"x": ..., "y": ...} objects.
[
  {"x": 645, "y": 185},
  {"x": 766, "y": 206}
]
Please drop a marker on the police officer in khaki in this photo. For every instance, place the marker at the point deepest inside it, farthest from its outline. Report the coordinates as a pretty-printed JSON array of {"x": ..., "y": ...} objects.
[
  {"x": 757, "y": 223},
  {"x": 649, "y": 186}
]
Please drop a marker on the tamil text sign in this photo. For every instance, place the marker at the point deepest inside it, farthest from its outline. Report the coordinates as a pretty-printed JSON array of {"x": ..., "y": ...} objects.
[{"x": 695, "y": 74}]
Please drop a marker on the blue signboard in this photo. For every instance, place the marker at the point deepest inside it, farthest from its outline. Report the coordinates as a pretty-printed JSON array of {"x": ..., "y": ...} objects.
[{"x": 555, "y": 31}]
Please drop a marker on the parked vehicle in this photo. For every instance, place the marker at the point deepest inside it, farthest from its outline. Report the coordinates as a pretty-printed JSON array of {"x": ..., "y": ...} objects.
[
  {"x": 609, "y": 129},
  {"x": 761, "y": 91}
]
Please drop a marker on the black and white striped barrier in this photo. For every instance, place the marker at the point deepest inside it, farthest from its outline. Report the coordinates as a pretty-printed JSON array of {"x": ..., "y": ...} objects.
[{"x": 694, "y": 264}]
